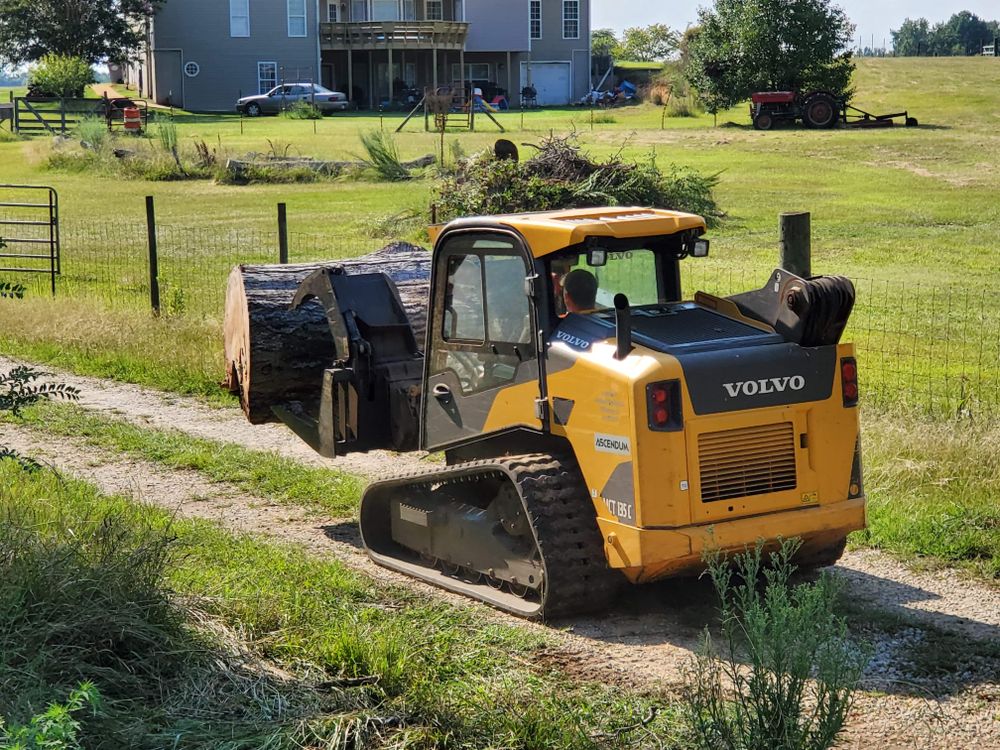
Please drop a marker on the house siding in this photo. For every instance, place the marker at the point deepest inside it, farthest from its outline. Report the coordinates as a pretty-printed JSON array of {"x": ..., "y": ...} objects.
[
  {"x": 553, "y": 48},
  {"x": 497, "y": 26},
  {"x": 198, "y": 31}
]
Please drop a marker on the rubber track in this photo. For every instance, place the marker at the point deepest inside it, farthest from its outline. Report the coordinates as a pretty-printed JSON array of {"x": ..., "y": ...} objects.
[{"x": 563, "y": 521}]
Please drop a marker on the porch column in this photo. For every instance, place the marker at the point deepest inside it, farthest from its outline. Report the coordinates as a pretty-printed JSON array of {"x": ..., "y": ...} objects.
[
  {"x": 434, "y": 65},
  {"x": 388, "y": 73},
  {"x": 509, "y": 79},
  {"x": 371, "y": 79},
  {"x": 350, "y": 75},
  {"x": 461, "y": 65}
]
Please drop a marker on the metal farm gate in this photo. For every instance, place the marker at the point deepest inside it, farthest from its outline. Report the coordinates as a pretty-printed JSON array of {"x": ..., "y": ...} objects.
[{"x": 29, "y": 230}]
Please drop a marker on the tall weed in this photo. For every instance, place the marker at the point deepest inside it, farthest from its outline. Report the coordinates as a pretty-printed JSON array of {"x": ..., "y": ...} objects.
[
  {"x": 383, "y": 156},
  {"x": 783, "y": 675},
  {"x": 94, "y": 132}
]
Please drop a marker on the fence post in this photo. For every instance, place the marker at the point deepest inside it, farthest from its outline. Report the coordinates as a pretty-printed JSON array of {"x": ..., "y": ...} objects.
[
  {"x": 794, "y": 243},
  {"x": 154, "y": 270},
  {"x": 282, "y": 233}
]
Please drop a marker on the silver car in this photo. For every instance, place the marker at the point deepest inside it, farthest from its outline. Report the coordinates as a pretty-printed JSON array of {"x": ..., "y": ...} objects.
[{"x": 285, "y": 96}]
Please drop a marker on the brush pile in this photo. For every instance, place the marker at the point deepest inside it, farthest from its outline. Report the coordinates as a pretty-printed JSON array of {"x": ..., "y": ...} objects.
[{"x": 559, "y": 175}]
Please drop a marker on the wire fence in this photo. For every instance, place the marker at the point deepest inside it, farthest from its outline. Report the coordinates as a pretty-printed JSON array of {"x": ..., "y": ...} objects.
[{"x": 924, "y": 346}]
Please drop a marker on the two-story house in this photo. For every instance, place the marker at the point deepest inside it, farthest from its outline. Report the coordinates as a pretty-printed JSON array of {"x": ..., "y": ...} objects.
[{"x": 203, "y": 54}]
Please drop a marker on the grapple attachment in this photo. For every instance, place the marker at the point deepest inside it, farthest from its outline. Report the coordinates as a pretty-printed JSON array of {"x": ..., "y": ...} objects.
[{"x": 370, "y": 395}]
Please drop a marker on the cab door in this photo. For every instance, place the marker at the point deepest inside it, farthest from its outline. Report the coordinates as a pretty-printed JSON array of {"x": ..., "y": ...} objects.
[{"x": 481, "y": 340}]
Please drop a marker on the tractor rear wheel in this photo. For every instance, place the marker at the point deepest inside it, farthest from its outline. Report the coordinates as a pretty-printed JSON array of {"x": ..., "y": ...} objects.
[
  {"x": 763, "y": 121},
  {"x": 821, "y": 111}
]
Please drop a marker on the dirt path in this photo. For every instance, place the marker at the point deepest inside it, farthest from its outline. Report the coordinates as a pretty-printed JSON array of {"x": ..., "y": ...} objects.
[
  {"x": 647, "y": 639},
  {"x": 148, "y": 407}
]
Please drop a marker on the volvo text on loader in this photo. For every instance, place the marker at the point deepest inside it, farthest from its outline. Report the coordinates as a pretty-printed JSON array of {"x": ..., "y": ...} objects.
[{"x": 583, "y": 449}]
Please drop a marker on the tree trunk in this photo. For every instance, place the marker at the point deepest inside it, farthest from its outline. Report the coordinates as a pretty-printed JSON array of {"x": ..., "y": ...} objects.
[{"x": 274, "y": 354}]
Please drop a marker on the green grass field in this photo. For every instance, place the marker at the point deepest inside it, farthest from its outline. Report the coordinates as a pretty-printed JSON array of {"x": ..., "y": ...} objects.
[
  {"x": 909, "y": 212},
  {"x": 895, "y": 203}
]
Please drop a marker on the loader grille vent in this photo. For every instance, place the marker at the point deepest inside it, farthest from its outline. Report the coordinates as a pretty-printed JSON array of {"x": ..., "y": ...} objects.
[{"x": 750, "y": 461}]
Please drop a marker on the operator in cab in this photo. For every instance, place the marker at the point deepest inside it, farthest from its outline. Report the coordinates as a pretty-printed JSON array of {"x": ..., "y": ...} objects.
[{"x": 579, "y": 288}]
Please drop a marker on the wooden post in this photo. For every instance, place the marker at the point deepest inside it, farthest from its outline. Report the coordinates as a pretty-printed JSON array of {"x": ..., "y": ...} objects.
[
  {"x": 154, "y": 266},
  {"x": 434, "y": 64},
  {"x": 282, "y": 233},
  {"x": 795, "y": 243}
]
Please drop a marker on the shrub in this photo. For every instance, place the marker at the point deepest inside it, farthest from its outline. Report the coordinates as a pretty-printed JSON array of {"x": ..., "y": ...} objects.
[
  {"x": 784, "y": 652},
  {"x": 60, "y": 75},
  {"x": 383, "y": 156},
  {"x": 683, "y": 107},
  {"x": 55, "y": 728},
  {"x": 560, "y": 176},
  {"x": 303, "y": 110}
]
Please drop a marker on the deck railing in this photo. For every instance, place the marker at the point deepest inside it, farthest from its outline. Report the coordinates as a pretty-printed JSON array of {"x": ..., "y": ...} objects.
[{"x": 447, "y": 35}]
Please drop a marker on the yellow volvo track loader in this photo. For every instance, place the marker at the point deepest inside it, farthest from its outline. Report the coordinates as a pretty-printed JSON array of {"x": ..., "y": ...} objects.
[{"x": 587, "y": 442}]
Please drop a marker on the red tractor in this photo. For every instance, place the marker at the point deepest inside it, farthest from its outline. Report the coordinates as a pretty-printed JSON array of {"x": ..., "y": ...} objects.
[{"x": 816, "y": 109}]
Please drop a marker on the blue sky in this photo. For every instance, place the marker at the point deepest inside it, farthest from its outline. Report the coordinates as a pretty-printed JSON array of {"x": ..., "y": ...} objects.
[{"x": 870, "y": 16}]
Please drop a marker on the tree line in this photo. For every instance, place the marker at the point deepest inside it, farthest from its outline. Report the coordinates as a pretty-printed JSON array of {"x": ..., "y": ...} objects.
[{"x": 964, "y": 33}]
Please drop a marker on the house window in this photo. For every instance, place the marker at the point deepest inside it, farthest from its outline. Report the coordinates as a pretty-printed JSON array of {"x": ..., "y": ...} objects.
[
  {"x": 191, "y": 69},
  {"x": 359, "y": 10},
  {"x": 473, "y": 72},
  {"x": 409, "y": 10},
  {"x": 410, "y": 74},
  {"x": 571, "y": 19},
  {"x": 267, "y": 76},
  {"x": 296, "y": 18},
  {"x": 459, "y": 11},
  {"x": 535, "y": 15},
  {"x": 239, "y": 18},
  {"x": 435, "y": 10},
  {"x": 385, "y": 10},
  {"x": 333, "y": 12}
]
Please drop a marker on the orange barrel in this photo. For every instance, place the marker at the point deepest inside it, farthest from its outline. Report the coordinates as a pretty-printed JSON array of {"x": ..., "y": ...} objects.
[{"x": 132, "y": 119}]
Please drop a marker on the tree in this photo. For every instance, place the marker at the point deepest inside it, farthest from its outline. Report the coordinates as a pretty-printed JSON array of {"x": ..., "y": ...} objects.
[
  {"x": 962, "y": 34},
  {"x": 648, "y": 43},
  {"x": 757, "y": 45},
  {"x": 912, "y": 38},
  {"x": 603, "y": 43},
  {"x": 89, "y": 29}
]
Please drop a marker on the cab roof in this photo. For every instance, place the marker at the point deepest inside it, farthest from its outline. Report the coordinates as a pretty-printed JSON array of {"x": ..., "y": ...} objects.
[{"x": 550, "y": 231}]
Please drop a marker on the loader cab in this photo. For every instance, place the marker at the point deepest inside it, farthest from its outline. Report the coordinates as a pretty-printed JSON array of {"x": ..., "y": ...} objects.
[{"x": 493, "y": 295}]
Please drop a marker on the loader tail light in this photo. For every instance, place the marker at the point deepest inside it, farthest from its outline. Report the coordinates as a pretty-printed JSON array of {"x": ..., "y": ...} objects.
[
  {"x": 849, "y": 380},
  {"x": 663, "y": 405}
]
